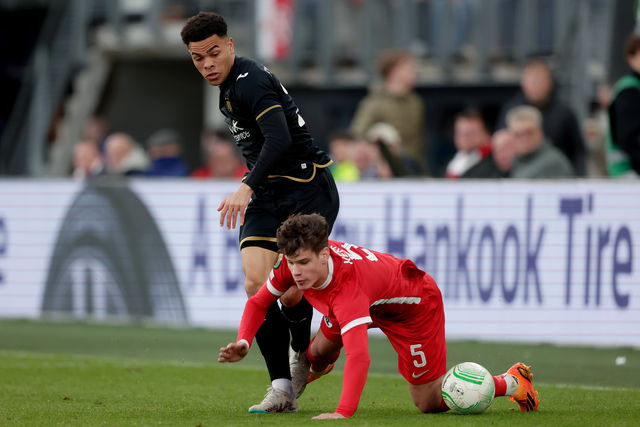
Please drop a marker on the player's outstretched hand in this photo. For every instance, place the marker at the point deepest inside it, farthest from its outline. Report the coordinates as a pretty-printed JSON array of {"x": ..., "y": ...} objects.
[
  {"x": 233, "y": 205},
  {"x": 233, "y": 352},
  {"x": 331, "y": 416}
]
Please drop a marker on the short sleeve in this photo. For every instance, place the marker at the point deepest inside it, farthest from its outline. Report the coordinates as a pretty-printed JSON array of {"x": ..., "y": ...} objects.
[
  {"x": 350, "y": 307},
  {"x": 280, "y": 278}
]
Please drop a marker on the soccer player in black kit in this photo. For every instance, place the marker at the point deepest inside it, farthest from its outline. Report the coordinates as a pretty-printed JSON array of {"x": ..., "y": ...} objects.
[{"x": 288, "y": 174}]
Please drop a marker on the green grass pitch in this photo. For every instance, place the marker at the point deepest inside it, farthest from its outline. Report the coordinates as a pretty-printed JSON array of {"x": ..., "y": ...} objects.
[{"x": 79, "y": 374}]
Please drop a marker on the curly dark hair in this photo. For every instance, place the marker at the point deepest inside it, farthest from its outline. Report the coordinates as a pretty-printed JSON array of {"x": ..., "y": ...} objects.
[
  {"x": 303, "y": 232},
  {"x": 203, "y": 25}
]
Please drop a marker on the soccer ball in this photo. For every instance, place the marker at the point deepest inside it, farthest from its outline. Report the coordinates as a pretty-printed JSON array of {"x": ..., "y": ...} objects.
[{"x": 468, "y": 388}]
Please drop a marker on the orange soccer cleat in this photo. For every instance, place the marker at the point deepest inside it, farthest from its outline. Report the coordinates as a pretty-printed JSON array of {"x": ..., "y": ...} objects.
[
  {"x": 315, "y": 375},
  {"x": 526, "y": 396}
]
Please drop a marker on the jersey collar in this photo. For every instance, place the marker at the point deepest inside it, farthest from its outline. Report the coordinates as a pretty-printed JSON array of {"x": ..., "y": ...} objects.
[
  {"x": 233, "y": 73},
  {"x": 329, "y": 276}
]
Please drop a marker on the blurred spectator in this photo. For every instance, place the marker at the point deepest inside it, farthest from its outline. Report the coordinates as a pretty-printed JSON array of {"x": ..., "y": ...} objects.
[
  {"x": 623, "y": 143},
  {"x": 87, "y": 161},
  {"x": 96, "y": 130},
  {"x": 222, "y": 159},
  {"x": 123, "y": 156},
  {"x": 395, "y": 102},
  {"x": 341, "y": 145},
  {"x": 535, "y": 156},
  {"x": 559, "y": 122},
  {"x": 500, "y": 162},
  {"x": 388, "y": 139},
  {"x": 503, "y": 151},
  {"x": 165, "y": 153},
  {"x": 367, "y": 158},
  {"x": 473, "y": 142},
  {"x": 595, "y": 131}
]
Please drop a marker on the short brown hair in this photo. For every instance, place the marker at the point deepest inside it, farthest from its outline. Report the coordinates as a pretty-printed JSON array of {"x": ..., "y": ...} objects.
[
  {"x": 303, "y": 232},
  {"x": 632, "y": 46},
  {"x": 389, "y": 60},
  {"x": 202, "y": 26}
]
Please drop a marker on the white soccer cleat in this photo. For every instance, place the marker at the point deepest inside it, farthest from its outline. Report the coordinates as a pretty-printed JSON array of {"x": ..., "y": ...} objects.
[
  {"x": 299, "y": 366},
  {"x": 275, "y": 401}
]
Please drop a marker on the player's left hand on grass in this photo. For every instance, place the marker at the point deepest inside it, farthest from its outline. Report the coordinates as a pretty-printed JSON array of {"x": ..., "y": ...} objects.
[
  {"x": 233, "y": 352},
  {"x": 331, "y": 416},
  {"x": 233, "y": 205}
]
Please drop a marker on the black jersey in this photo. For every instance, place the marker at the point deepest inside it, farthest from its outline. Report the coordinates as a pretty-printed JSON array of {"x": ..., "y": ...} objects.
[{"x": 267, "y": 126}]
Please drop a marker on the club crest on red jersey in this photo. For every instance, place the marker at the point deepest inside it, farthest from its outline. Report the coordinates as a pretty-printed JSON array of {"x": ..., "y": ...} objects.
[
  {"x": 278, "y": 262},
  {"x": 327, "y": 321}
]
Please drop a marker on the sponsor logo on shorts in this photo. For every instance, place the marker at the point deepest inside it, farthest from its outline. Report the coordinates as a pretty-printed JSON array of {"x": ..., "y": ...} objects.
[{"x": 414, "y": 375}]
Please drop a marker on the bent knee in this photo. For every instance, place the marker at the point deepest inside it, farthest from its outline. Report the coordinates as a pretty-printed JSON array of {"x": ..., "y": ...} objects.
[
  {"x": 291, "y": 297},
  {"x": 427, "y": 397},
  {"x": 252, "y": 285}
]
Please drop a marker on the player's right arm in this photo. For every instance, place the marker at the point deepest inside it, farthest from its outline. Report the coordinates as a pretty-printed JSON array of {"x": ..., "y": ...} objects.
[
  {"x": 351, "y": 308},
  {"x": 253, "y": 315},
  {"x": 255, "y": 310}
]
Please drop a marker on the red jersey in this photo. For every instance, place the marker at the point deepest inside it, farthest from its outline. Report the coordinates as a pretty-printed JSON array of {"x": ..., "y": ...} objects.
[{"x": 362, "y": 285}]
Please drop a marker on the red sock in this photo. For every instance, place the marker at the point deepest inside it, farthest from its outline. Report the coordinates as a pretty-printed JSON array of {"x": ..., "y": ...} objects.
[
  {"x": 501, "y": 386},
  {"x": 443, "y": 406},
  {"x": 320, "y": 363}
]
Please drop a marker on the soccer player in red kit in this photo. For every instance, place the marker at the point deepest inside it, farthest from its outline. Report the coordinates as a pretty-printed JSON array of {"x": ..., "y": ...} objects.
[{"x": 357, "y": 288}]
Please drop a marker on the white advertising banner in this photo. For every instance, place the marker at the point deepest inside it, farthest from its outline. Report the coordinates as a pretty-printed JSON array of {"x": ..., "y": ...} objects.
[{"x": 516, "y": 261}]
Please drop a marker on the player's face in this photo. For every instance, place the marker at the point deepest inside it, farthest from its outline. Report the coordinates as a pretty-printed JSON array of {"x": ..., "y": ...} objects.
[
  {"x": 309, "y": 269},
  {"x": 213, "y": 57}
]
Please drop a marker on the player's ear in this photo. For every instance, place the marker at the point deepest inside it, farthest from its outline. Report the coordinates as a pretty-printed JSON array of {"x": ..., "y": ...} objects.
[
  {"x": 232, "y": 49},
  {"x": 324, "y": 254}
]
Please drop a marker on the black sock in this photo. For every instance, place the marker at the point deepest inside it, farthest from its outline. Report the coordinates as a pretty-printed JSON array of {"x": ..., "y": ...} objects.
[
  {"x": 273, "y": 340},
  {"x": 299, "y": 318}
]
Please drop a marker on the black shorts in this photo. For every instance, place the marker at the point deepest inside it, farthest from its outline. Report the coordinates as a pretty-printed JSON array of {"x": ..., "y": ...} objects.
[{"x": 272, "y": 204}]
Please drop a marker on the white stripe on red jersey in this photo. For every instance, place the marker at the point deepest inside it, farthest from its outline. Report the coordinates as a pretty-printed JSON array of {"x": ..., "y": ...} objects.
[{"x": 354, "y": 323}]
